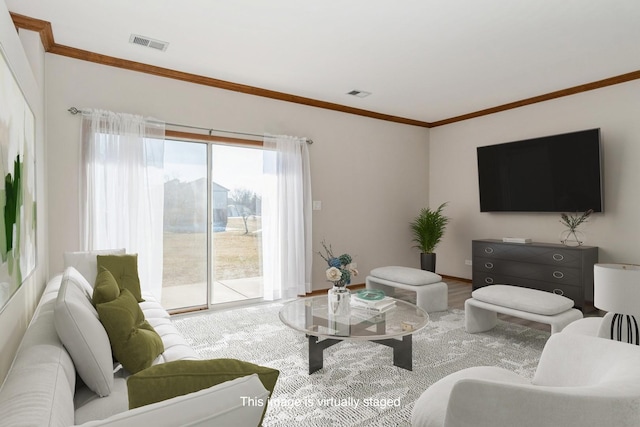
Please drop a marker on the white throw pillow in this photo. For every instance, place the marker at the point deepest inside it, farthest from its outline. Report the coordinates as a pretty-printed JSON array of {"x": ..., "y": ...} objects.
[
  {"x": 82, "y": 334},
  {"x": 86, "y": 262}
]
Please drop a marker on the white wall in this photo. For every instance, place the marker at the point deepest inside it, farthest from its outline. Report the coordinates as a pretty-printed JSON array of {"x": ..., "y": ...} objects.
[
  {"x": 370, "y": 175},
  {"x": 28, "y": 69},
  {"x": 453, "y": 174}
]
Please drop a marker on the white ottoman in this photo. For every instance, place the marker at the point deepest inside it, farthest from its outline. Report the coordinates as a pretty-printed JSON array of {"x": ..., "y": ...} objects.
[
  {"x": 431, "y": 293},
  {"x": 481, "y": 311}
]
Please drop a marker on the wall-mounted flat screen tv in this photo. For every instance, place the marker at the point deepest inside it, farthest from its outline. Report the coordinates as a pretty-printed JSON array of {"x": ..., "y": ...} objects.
[{"x": 559, "y": 173}]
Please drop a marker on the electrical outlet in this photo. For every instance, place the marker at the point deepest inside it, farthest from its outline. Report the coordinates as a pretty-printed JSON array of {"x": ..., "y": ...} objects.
[
  {"x": 354, "y": 265},
  {"x": 317, "y": 205},
  {"x": 468, "y": 262}
]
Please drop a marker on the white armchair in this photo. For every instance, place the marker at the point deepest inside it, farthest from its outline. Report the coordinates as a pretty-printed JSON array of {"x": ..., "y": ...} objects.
[
  {"x": 580, "y": 381},
  {"x": 594, "y": 326}
]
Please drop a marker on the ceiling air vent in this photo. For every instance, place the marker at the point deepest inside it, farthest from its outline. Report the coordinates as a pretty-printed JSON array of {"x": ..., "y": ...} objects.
[
  {"x": 359, "y": 93},
  {"x": 148, "y": 42}
]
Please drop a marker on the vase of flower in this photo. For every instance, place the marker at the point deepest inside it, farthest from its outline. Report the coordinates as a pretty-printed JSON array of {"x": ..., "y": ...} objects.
[
  {"x": 572, "y": 236},
  {"x": 339, "y": 272}
]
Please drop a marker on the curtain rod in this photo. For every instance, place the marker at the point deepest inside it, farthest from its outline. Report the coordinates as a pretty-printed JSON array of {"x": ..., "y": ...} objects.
[{"x": 74, "y": 111}]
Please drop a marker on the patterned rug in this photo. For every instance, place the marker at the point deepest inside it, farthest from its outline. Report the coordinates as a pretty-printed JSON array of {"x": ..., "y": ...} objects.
[{"x": 358, "y": 386}]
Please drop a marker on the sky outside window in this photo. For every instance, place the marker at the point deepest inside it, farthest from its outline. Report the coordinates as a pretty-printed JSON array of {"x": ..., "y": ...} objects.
[{"x": 233, "y": 166}]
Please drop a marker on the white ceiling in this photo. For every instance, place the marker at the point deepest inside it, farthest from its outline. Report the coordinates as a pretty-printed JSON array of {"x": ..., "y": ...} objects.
[{"x": 426, "y": 60}]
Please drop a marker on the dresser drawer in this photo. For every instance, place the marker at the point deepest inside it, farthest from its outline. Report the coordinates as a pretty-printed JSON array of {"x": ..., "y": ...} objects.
[
  {"x": 550, "y": 255},
  {"x": 548, "y": 273}
]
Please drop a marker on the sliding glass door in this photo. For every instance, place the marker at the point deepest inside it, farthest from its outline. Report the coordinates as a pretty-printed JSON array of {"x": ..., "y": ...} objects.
[
  {"x": 184, "y": 277},
  {"x": 237, "y": 244},
  {"x": 212, "y": 224}
]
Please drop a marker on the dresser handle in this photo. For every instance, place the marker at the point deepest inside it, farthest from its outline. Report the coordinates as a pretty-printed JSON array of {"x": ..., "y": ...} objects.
[
  {"x": 558, "y": 291},
  {"x": 488, "y": 265},
  {"x": 488, "y": 281},
  {"x": 558, "y": 274},
  {"x": 488, "y": 250},
  {"x": 558, "y": 257}
]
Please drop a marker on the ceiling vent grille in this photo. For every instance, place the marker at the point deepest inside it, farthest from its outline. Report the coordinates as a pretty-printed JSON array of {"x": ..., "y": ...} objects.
[
  {"x": 148, "y": 42},
  {"x": 359, "y": 93}
]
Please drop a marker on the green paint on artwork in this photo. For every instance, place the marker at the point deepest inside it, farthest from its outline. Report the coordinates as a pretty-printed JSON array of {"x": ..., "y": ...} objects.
[
  {"x": 3, "y": 238},
  {"x": 12, "y": 186}
]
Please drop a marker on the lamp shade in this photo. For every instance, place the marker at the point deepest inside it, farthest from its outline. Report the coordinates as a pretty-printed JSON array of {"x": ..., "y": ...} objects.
[{"x": 617, "y": 288}]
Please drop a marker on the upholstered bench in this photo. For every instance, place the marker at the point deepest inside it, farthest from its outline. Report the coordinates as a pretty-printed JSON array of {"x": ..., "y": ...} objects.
[
  {"x": 481, "y": 311},
  {"x": 431, "y": 291}
]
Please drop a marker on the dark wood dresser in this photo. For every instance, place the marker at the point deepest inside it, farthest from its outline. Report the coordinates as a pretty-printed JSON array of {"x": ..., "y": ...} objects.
[{"x": 549, "y": 267}]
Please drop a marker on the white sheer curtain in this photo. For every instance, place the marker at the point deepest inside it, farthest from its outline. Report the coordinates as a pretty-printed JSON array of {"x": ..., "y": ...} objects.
[
  {"x": 286, "y": 218},
  {"x": 122, "y": 198}
]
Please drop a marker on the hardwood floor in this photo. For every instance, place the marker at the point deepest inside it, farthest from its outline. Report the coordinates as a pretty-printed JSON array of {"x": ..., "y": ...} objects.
[{"x": 459, "y": 292}]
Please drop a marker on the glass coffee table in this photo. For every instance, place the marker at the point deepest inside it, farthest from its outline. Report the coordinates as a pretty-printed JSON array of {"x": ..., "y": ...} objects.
[{"x": 393, "y": 328}]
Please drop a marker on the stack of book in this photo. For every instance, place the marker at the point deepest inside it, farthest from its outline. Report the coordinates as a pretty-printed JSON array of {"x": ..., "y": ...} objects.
[{"x": 380, "y": 305}]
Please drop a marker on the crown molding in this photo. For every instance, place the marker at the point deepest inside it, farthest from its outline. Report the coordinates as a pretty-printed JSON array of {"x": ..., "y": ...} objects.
[
  {"x": 50, "y": 46},
  {"x": 37, "y": 25},
  {"x": 622, "y": 78},
  {"x": 126, "y": 64}
]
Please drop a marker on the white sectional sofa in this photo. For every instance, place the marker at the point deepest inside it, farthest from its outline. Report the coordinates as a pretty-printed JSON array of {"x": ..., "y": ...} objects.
[{"x": 42, "y": 387}]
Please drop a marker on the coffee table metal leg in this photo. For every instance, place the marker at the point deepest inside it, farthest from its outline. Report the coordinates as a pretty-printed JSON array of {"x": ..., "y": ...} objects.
[
  {"x": 315, "y": 352},
  {"x": 402, "y": 351}
]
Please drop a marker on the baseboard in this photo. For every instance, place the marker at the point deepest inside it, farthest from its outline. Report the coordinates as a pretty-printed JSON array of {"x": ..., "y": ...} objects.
[
  {"x": 362, "y": 285},
  {"x": 324, "y": 291},
  {"x": 459, "y": 279}
]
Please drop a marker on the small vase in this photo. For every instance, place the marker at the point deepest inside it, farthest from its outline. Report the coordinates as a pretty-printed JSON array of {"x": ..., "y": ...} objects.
[
  {"x": 339, "y": 306},
  {"x": 339, "y": 301},
  {"x": 572, "y": 238}
]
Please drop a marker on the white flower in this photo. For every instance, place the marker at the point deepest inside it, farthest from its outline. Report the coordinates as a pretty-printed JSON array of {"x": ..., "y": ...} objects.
[{"x": 334, "y": 274}]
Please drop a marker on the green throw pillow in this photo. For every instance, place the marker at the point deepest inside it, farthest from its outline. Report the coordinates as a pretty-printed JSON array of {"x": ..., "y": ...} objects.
[
  {"x": 133, "y": 340},
  {"x": 125, "y": 270},
  {"x": 106, "y": 288},
  {"x": 171, "y": 379}
]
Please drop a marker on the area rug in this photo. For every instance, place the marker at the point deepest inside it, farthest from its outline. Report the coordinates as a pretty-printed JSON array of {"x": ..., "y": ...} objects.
[{"x": 358, "y": 386}]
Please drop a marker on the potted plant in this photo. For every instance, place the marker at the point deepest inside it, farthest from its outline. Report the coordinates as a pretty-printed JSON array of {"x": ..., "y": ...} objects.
[{"x": 428, "y": 229}]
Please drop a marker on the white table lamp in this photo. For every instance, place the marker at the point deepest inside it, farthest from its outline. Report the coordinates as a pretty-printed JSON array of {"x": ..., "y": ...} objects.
[{"x": 617, "y": 290}]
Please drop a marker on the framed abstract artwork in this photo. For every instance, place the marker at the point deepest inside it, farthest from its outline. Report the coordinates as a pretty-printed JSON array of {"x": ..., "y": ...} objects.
[{"x": 17, "y": 185}]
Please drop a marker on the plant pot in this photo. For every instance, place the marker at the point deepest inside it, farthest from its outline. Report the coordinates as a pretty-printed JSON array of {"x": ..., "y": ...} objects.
[{"x": 428, "y": 262}]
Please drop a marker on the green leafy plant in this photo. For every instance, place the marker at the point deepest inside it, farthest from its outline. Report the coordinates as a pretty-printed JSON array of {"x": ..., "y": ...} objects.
[
  {"x": 573, "y": 221},
  {"x": 428, "y": 228}
]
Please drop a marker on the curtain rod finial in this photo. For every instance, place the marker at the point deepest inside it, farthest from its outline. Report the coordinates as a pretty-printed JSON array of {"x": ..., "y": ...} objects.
[{"x": 73, "y": 110}]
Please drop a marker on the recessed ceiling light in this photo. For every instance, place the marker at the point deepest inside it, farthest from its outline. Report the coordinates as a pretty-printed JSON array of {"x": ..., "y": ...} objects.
[
  {"x": 148, "y": 42},
  {"x": 359, "y": 93}
]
